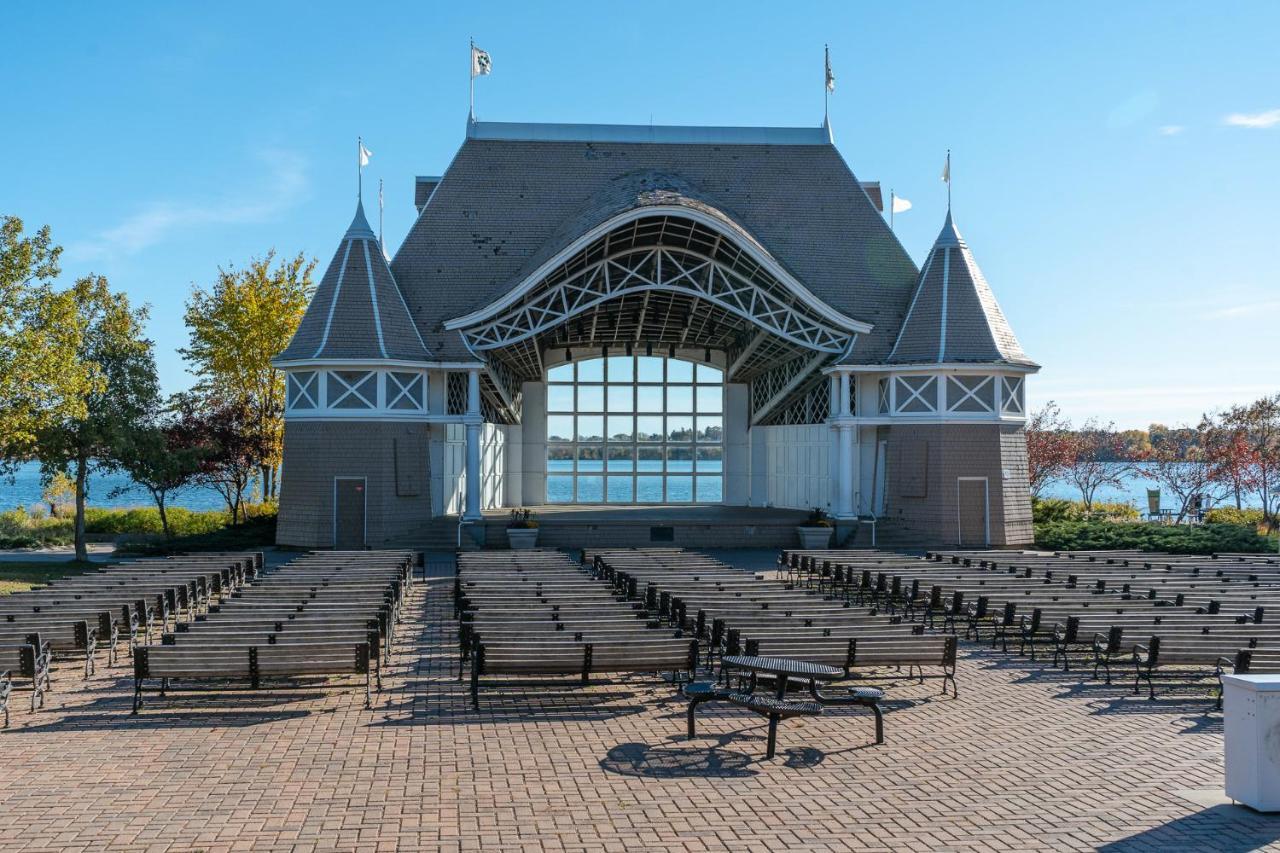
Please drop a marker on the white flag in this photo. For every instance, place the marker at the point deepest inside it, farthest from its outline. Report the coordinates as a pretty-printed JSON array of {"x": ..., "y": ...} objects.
[
  {"x": 365, "y": 154},
  {"x": 831, "y": 77},
  {"x": 481, "y": 64},
  {"x": 900, "y": 204},
  {"x": 946, "y": 169}
]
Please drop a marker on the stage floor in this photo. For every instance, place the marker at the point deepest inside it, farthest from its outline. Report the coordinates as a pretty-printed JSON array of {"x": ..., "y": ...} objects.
[{"x": 655, "y": 514}]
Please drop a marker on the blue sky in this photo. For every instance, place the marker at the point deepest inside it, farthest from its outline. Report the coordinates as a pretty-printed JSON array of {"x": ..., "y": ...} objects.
[{"x": 1116, "y": 166}]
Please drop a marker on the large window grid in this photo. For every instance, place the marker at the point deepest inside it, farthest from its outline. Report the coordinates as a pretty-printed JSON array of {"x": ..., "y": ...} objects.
[{"x": 635, "y": 429}]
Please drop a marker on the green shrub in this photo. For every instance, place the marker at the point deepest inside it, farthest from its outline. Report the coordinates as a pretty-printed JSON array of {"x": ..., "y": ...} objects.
[
  {"x": 1050, "y": 510},
  {"x": 258, "y": 532},
  {"x": 1231, "y": 515},
  {"x": 1174, "y": 539},
  {"x": 21, "y": 529},
  {"x": 146, "y": 520}
]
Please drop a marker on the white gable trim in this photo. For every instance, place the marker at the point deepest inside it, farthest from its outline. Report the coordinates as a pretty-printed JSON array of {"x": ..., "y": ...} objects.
[
  {"x": 802, "y": 293},
  {"x": 923, "y": 275},
  {"x": 337, "y": 291},
  {"x": 373, "y": 298}
]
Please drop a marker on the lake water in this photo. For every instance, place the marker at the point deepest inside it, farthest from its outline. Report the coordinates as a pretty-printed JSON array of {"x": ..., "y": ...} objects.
[
  {"x": 24, "y": 489},
  {"x": 682, "y": 484},
  {"x": 686, "y": 481},
  {"x": 1133, "y": 490}
]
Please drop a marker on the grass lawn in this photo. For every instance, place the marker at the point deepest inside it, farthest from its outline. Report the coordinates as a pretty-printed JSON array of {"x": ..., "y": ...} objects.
[{"x": 18, "y": 576}]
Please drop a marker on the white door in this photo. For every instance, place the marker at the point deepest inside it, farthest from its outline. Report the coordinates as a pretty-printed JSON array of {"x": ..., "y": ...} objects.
[{"x": 455, "y": 469}]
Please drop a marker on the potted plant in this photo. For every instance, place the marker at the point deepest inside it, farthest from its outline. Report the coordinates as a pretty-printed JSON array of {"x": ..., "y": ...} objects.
[
  {"x": 522, "y": 529},
  {"x": 815, "y": 531}
]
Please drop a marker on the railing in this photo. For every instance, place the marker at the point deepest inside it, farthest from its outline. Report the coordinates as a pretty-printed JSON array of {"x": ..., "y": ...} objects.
[{"x": 462, "y": 522}]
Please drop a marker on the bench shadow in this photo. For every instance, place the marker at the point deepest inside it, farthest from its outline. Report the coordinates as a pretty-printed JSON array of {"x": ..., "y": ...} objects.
[
  {"x": 1224, "y": 828},
  {"x": 181, "y": 709},
  {"x": 662, "y": 762},
  {"x": 433, "y": 701},
  {"x": 1193, "y": 694}
]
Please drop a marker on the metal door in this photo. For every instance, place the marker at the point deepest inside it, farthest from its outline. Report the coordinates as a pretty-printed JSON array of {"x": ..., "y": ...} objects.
[{"x": 348, "y": 513}]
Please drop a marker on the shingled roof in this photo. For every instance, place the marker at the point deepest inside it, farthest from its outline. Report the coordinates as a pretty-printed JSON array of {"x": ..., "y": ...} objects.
[
  {"x": 357, "y": 311},
  {"x": 512, "y": 196},
  {"x": 954, "y": 316}
]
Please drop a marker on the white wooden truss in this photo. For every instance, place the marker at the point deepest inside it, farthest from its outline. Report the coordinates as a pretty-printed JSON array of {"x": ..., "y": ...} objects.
[{"x": 765, "y": 303}]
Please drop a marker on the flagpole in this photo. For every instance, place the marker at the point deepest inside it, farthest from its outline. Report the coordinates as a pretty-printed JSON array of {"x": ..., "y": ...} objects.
[
  {"x": 948, "y": 180},
  {"x": 381, "y": 243},
  {"x": 826, "y": 89},
  {"x": 892, "y": 207},
  {"x": 471, "y": 74},
  {"x": 359, "y": 169}
]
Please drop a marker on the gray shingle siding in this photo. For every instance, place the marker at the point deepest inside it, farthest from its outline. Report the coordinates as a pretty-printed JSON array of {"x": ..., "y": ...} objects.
[
  {"x": 350, "y": 329},
  {"x": 953, "y": 286},
  {"x": 505, "y": 206}
]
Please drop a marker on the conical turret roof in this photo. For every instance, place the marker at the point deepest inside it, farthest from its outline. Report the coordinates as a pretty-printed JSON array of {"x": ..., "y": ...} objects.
[
  {"x": 357, "y": 311},
  {"x": 954, "y": 316}
]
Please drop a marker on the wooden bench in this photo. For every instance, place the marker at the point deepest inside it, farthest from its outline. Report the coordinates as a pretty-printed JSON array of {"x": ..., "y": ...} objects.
[
  {"x": 29, "y": 661},
  {"x": 253, "y": 664},
  {"x": 6, "y": 690},
  {"x": 526, "y": 656}
]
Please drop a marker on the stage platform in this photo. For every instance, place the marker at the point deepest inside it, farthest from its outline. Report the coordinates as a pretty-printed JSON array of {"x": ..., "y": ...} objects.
[{"x": 595, "y": 526}]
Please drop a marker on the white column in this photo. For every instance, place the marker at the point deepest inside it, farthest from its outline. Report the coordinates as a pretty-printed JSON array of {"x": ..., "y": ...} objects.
[
  {"x": 845, "y": 432},
  {"x": 473, "y": 445},
  {"x": 844, "y": 505}
]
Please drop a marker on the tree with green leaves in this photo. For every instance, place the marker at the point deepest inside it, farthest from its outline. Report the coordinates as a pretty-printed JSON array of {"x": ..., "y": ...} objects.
[
  {"x": 236, "y": 327},
  {"x": 163, "y": 454},
  {"x": 38, "y": 335},
  {"x": 231, "y": 448},
  {"x": 115, "y": 362},
  {"x": 59, "y": 491}
]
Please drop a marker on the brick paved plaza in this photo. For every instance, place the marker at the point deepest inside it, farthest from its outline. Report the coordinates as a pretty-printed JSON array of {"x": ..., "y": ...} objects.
[{"x": 1026, "y": 758}]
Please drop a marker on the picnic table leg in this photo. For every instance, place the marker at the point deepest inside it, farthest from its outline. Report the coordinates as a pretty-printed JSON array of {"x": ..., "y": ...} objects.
[{"x": 773, "y": 718}]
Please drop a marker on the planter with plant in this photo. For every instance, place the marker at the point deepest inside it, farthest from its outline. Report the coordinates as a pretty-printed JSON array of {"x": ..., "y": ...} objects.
[
  {"x": 815, "y": 531},
  {"x": 522, "y": 529}
]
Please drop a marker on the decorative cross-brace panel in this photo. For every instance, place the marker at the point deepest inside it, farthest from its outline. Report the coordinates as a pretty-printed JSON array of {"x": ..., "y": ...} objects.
[
  {"x": 506, "y": 391},
  {"x": 763, "y": 300},
  {"x": 456, "y": 393},
  {"x": 811, "y": 406},
  {"x": 770, "y": 389}
]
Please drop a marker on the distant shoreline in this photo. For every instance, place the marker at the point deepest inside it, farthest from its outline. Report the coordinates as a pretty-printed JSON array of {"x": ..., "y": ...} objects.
[{"x": 23, "y": 489}]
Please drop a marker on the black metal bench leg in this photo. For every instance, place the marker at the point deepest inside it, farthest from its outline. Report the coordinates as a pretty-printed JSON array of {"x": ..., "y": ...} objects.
[{"x": 773, "y": 736}]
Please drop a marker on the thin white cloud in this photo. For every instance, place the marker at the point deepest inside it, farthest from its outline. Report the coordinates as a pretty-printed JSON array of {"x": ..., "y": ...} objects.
[
  {"x": 1133, "y": 110},
  {"x": 1246, "y": 309},
  {"x": 1171, "y": 129},
  {"x": 1264, "y": 119},
  {"x": 284, "y": 187},
  {"x": 1136, "y": 407}
]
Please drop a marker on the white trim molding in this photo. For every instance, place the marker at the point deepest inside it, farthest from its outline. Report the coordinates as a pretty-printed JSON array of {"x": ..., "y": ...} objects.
[
  {"x": 943, "y": 393},
  {"x": 514, "y": 297},
  {"x": 358, "y": 392}
]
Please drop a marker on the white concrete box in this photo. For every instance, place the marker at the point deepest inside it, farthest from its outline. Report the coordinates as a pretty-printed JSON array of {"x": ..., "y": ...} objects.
[{"x": 1251, "y": 721}]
